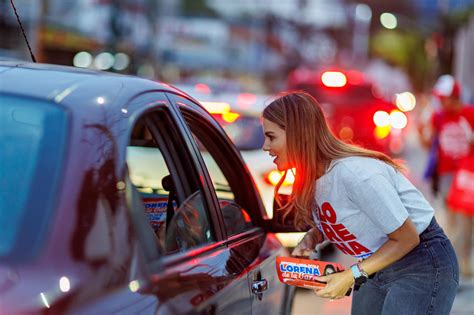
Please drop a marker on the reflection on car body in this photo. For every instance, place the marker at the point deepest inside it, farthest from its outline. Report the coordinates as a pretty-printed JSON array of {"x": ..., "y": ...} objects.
[{"x": 107, "y": 205}]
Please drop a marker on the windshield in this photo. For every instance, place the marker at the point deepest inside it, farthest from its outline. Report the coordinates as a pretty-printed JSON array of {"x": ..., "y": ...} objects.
[{"x": 32, "y": 137}]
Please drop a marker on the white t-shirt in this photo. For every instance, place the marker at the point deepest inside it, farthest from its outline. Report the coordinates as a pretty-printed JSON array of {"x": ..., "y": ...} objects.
[{"x": 361, "y": 200}]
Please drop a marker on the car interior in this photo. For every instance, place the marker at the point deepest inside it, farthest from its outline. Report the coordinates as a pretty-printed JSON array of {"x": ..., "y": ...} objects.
[{"x": 175, "y": 226}]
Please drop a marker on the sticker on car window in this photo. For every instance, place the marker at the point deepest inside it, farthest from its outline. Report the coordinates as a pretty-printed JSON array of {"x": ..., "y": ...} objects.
[{"x": 155, "y": 209}]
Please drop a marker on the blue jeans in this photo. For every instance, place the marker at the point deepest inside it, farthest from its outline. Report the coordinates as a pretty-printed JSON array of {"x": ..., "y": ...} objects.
[{"x": 424, "y": 281}]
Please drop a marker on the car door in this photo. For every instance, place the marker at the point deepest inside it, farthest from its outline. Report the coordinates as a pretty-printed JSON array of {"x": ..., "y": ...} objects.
[
  {"x": 191, "y": 270},
  {"x": 241, "y": 209}
]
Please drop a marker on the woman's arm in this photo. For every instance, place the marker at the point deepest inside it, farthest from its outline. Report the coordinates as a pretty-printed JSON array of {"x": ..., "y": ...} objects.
[
  {"x": 400, "y": 242},
  {"x": 312, "y": 238}
]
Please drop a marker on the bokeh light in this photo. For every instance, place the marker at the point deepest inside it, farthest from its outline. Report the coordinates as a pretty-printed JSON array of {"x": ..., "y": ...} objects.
[
  {"x": 382, "y": 132},
  {"x": 104, "y": 61},
  {"x": 405, "y": 101},
  {"x": 82, "y": 59},
  {"x": 64, "y": 284},
  {"x": 363, "y": 12},
  {"x": 121, "y": 61},
  {"x": 146, "y": 70},
  {"x": 398, "y": 119},
  {"x": 381, "y": 118},
  {"x": 388, "y": 20},
  {"x": 134, "y": 286}
]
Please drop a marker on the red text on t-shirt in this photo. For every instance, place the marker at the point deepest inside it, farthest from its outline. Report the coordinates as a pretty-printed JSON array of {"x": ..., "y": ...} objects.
[{"x": 338, "y": 234}]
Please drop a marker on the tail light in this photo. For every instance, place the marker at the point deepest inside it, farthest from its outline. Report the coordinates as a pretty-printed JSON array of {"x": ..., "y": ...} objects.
[
  {"x": 334, "y": 79},
  {"x": 274, "y": 176}
]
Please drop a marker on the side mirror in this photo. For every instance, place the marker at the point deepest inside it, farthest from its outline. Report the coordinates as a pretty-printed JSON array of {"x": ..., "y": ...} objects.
[{"x": 282, "y": 221}]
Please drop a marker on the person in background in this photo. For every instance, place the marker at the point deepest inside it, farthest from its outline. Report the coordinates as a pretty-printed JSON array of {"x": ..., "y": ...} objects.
[
  {"x": 361, "y": 202},
  {"x": 452, "y": 129}
]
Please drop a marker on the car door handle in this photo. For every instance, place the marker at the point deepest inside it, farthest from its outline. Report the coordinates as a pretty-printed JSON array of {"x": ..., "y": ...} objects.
[{"x": 259, "y": 286}]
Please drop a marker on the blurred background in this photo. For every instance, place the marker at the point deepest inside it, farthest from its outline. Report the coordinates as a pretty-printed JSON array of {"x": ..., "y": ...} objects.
[
  {"x": 403, "y": 45},
  {"x": 234, "y": 56}
]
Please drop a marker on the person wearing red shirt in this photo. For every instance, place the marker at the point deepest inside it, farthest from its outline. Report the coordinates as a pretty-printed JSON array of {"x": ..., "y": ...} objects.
[{"x": 453, "y": 127}]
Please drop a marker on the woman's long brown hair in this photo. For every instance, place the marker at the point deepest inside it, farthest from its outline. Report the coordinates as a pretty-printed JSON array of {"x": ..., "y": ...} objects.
[{"x": 311, "y": 146}]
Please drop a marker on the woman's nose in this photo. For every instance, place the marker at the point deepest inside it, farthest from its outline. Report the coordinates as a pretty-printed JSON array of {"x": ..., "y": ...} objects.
[{"x": 265, "y": 147}]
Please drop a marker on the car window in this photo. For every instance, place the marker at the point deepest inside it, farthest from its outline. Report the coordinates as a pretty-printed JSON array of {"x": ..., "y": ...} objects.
[
  {"x": 174, "y": 208},
  {"x": 236, "y": 218},
  {"x": 31, "y": 159},
  {"x": 219, "y": 181}
]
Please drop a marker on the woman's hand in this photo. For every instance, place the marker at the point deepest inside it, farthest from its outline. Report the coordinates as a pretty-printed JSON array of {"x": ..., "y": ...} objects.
[
  {"x": 312, "y": 238},
  {"x": 337, "y": 285}
]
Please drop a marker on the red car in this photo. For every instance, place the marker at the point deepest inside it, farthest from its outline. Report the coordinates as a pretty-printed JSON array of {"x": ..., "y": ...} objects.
[{"x": 355, "y": 111}]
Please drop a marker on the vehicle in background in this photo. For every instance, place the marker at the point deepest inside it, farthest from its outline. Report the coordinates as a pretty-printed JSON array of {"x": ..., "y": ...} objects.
[
  {"x": 107, "y": 205},
  {"x": 354, "y": 109}
]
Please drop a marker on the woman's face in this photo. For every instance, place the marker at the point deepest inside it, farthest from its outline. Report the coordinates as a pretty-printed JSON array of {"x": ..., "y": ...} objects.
[{"x": 275, "y": 144}]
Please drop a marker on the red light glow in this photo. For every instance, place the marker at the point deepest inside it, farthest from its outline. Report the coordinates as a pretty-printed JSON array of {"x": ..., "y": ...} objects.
[
  {"x": 273, "y": 177},
  {"x": 334, "y": 79},
  {"x": 246, "y": 100},
  {"x": 202, "y": 88},
  {"x": 355, "y": 77}
]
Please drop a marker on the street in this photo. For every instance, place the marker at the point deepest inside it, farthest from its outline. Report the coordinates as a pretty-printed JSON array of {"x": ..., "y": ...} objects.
[{"x": 306, "y": 302}]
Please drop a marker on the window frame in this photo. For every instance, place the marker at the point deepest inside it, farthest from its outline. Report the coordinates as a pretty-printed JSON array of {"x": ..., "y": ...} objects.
[
  {"x": 174, "y": 146},
  {"x": 228, "y": 158}
]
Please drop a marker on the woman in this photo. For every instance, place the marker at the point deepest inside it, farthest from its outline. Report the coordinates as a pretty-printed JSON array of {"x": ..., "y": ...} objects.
[{"x": 359, "y": 200}]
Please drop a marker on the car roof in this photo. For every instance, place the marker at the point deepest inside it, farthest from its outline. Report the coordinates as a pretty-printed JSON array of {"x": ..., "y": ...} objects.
[{"x": 58, "y": 84}]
